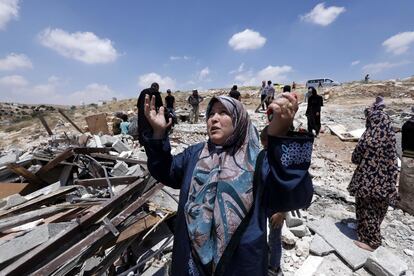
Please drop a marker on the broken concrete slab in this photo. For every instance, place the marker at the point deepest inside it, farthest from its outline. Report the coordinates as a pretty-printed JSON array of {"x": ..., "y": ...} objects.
[
  {"x": 310, "y": 266},
  {"x": 383, "y": 262},
  {"x": 292, "y": 221},
  {"x": 107, "y": 140},
  {"x": 341, "y": 238},
  {"x": 11, "y": 201},
  {"x": 120, "y": 169},
  {"x": 302, "y": 248},
  {"x": 135, "y": 170},
  {"x": 37, "y": 236},
  {"x": 119, "y": 146},
  {"x": 320, "y": 247},
  {"x": 11, "y": 157},
  {"x": 300, "y": 231}
]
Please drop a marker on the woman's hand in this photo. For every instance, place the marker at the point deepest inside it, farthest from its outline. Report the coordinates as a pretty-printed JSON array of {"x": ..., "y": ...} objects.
[
  {"x": 276, "y": 220},
  {"x": 283, "y": 109},
  {"x": 156, "y": 120}
]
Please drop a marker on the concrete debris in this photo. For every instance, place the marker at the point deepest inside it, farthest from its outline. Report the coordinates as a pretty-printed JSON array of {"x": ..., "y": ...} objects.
[
  {"x": 120, "y": 169},
  {"x": 292, "y": 219},
  {"x": 320, "y": 247},
  {"x": 341, "y": 238},
  {"x": 119, "y": 146},
  {"x": 310, "y": 266},
  {"x": 384, "y": 263},
  {"x": 300, "y": 231},
  {"x": 287, "y": 236}
]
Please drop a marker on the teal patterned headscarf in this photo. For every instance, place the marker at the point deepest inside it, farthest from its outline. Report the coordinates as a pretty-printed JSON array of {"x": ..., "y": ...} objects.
[{"x": 221, "y": 190}]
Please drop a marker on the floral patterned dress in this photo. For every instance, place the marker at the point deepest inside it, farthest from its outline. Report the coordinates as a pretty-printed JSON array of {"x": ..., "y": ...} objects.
[{"x": 374, "y": 181}]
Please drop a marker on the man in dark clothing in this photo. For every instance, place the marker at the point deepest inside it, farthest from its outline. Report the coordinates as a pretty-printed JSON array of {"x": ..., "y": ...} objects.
[
  {"x": 170, "y": 106},
  {"x": 234, "y": 93},
  {"x": 407, "y": 134},
  {"x": 194, "y": 100},
  {"x": 313, "y": 112},
  {"x": 143, "y": 125}
]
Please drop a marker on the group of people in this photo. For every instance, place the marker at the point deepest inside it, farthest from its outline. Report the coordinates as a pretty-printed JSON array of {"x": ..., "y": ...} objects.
[{"x": 230, "y": 188}]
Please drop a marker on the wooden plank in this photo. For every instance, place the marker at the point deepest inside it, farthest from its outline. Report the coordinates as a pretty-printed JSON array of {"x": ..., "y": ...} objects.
[
  {"x": 7, "y": 189},
  {"x": 24, "y": 265},
  {"x": 44, "y": 123},
  {"x": 38, "y": 201},
  {"x": 116, "y": 158},
  {"x": 138, "y": 227},
  {"x": 55, "y": 161},
  {"x": 76, "y": 254},
  {"x": 69, "y": 120},
  {"x": 33, "y": 179},
  {"x": 86, "y": 150},
  {"x": 102, "y": 182},
  {"x": 97, "y": 123}
]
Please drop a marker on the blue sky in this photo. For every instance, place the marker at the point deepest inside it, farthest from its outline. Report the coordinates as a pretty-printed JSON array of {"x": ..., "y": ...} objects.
[{"x": 68, "y": 52}]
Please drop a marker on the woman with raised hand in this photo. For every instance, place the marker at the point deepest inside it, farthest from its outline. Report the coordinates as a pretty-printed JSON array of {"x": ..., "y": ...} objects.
[{"x": 228, "y": 188}]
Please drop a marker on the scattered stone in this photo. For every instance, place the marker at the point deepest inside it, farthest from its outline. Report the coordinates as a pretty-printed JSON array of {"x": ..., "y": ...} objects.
[
  {"x": 409, "y": 252},
  {"x": 120, "y": 147},
  {"x": 320, "y": 247},
  {"x": 11, "y": 157},
  {"x": 310, "y": 266},
  {"x": 302, "y": 248},
  {"x": 135, "y": 170},
  {"x": 107, "y": 140},
  {"x": 300, "y": 231},
  {"x": 341, "y": 238},
  {"x": 292, "y": 221},
  {"x": 120, "y": 169},
  {"x": 287, "y": 236},
  {"x": 11, "y": 201},
  {"x": 382, "y": 262}
]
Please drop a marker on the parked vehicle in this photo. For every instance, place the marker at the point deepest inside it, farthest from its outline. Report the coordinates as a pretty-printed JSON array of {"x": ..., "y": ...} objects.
[{"x": 321, "y": 82}]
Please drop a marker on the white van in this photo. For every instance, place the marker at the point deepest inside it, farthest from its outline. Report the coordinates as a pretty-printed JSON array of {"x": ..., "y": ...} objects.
[{"x": 321, "y": 82}]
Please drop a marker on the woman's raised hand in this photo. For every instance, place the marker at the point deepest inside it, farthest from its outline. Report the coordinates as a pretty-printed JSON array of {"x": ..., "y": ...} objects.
[
  {"x": 283, "y": 109},
  {"x": 156, "y": 119}
]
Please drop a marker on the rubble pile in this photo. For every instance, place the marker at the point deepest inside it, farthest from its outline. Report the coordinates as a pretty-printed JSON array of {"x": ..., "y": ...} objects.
[{"x": 67, "y": 208}]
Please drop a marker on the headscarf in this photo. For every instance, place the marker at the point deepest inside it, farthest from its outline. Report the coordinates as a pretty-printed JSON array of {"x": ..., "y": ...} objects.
[{"x": 221, "y": 189}]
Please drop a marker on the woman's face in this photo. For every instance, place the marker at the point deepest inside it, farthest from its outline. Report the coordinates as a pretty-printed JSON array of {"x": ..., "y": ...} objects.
[{"x": 219, "y": 124}]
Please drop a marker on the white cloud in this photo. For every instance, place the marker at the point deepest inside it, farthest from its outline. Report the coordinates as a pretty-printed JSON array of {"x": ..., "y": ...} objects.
[
  {"x": 165, "y": 83},
  {"x": 204, "y": 73},
  {"x": 320, "y": 15},
  {"x": 82, "y": 46},
  {"x": 238, "y": 70},
  {"x": 247, "y": 40},
  {"x": 92, "y": 93},
  {"x": 9, "y": 9},
  {"x": 273, "y": 73},
  {"x": 174, "y": 58},
  {"x": 15, "y": 61},
  {"x": 375, "y": 68},
  {"x": 13, "y": 81},
  {"x": 355, "y": 62},
  {"x": 399, "y": 43}
]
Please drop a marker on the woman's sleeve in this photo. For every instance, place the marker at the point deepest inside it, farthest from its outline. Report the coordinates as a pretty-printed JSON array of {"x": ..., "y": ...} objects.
[
  {"x": 287, "y": 179},
  {"x": 164, "y": 167},
  {"x": 359, "y": 150}
]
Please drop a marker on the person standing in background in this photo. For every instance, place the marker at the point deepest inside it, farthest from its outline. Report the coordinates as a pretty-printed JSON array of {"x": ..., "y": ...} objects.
[{"x": 194, "y": 100}]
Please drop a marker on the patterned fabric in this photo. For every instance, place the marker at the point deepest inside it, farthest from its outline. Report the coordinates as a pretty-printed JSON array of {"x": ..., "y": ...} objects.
[
  {"x": 370, "y": 213},
  {"x": 221, "y": 190},
  {"x": 376, "y": 157},
  {"x": 295, "y": 153}
]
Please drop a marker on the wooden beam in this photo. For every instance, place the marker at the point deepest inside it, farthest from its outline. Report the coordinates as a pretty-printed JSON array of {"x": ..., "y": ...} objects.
[
  {"x": 102, "y": 182},
  {"x": 86, "y": 150},
  {"x": 69, "y": 120},
  {"x": 55, "y": 161},
  {"x": 38, "y": 201},
  {"x": 24, "y": 265},
  {"x": 138, "y": 227},
  {"x": 116, "y": 158},
  {"x": 44, "y": 123},
  {"x": 33, "y": 179}
]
